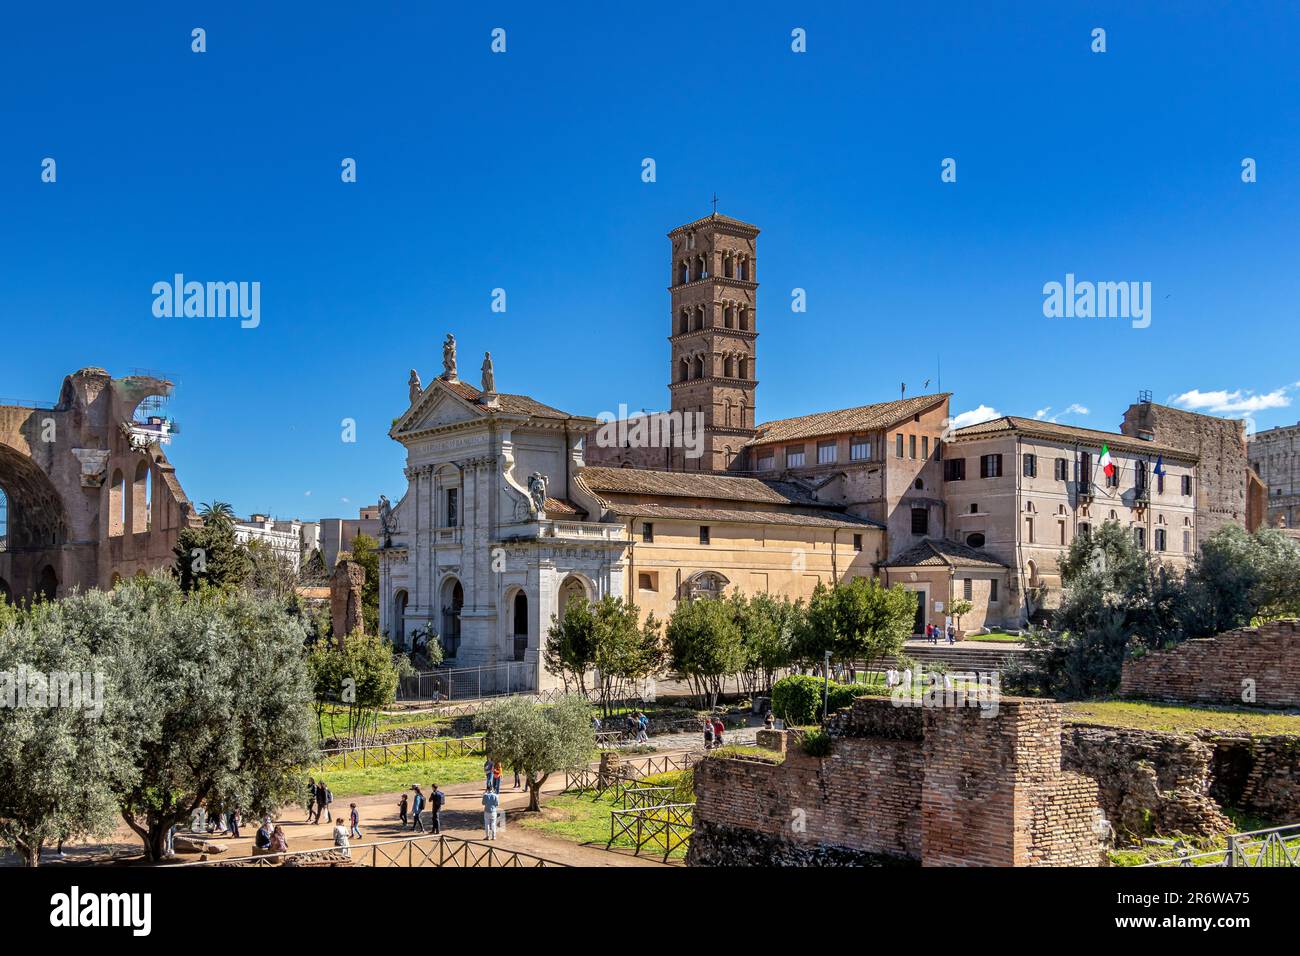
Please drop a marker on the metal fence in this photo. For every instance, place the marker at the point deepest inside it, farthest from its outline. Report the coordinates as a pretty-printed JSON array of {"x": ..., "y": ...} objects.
[
  {"x": 434, "y": 850},
  {"x": 1274, "y": 847},
  {"x": 382, "y": 755},
  {"x": 469, "y": 683},
  {"x": 663, "y": 828}
]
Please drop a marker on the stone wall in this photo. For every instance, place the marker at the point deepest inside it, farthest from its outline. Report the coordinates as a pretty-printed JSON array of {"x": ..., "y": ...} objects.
[
  {"x": 1218, "y": 669},
  {"x": 939, "y": 786}
]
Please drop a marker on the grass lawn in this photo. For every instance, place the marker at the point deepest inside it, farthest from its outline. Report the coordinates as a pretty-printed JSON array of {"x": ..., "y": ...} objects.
[
  {"x": 1180, "y": 718},
  {"x": 356, "y": 782},
  {"x": 584, "y": 818},
  {"x": 997, "y": 637},
  {"x": 1242, "y": 822},
  {"x": 334, "y": 722}
]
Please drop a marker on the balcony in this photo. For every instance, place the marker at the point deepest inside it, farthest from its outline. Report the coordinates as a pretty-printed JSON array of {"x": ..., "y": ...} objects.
[{"x": 582, "y": 530}]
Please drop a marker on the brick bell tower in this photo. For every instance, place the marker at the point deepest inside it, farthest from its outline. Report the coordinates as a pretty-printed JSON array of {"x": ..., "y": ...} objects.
[{"x": 714, "y": 336}]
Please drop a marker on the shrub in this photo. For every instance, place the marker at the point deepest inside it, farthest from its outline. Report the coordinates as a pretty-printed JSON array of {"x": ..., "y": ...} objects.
[
  {"x": 817, "y": 743},
  {"x": 797, "y": 699}
]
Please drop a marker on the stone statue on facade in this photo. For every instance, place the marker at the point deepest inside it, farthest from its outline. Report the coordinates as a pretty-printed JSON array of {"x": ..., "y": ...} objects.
[
  {"x": 489, "y": 377},
  {"x": 413, "y": 384},
  {"x": 449, "y": 358},
  {"x": 387, "y": 523},
  {"x": 537, "y": 492}
]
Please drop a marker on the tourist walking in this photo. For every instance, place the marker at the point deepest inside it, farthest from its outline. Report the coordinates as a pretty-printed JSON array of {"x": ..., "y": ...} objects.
[
  {"x": 708, "y": 734},
  {"x": 341, "y": 839},
  {"x": 322, "y": 801},
  {"x": 518, "y": 785},
  {"x": 642, "y": 724},
  {"x": 402, "y": 811},
  {"x": 718, "y": 728},
  {"x": 311, "y": 798},
  {"x": 496, "y": 776},
  {"x": 233, "y": 823},
  {"x": 417, "y": 807},
  {"x": 490, "y": 803},
  {"x": 436, "y": 799},
  {"x": 355, "y": 819},
  {"x": 952, "y": 634}
]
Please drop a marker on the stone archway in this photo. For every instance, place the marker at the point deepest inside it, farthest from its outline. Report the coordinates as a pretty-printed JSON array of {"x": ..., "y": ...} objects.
[
  {"x": 452, "y": 600},
  {"x": 574, "y": 586},
  {"x": 47, "y": 584},
  {"x": 35, "y": 526},
  {"x": 398, "y": 631}
]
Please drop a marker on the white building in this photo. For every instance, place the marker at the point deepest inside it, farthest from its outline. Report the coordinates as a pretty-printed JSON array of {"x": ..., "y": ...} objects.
[
  {"x": 491, "y": 537},
  {"x": 284, "y": 537}
]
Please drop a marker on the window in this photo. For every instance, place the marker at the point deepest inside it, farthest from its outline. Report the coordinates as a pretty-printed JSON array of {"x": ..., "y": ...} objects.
[
  {"x": 1140, "y": 537},
  {"x": 826, "y": 452},
  {"x": 1061, "y": 535},
  {"x": 975, "y": 540},
  {"x": 453, "y": 507},
  {"x": 859, "y": 449},
  {"x": 704, "y": 534},
  {"x": 794, "y": 456},
  {"x": 648, "y": 532},
  {"x": 857, "y": 542},
  {"x": 954, "y": 469},
  {"x": 974, "y": 508},
  {"x": 966, "y": 589},
  {"x": 993, "y": 591},
  {"x": 1187, "y": 485},
  {"x": 920, "y": 520},
  {"x": 919, "y": 484},
  {"x": 1112, "y": 480},
  {"x": 1139, "y": 476},
  {"x": 766, "y": 460},
  {"x": 1083, "y": 530},
  {"x": 1187, "y": 542},
  {"x": 645, "y": 581},
  {"x": 911, "y": 446},
  {"x": 1029, "y": 530},
  {"x": 925, "y": 446},
  {"x": 1031, "y": 466},
  {"x": 990, "y": 466},
  {"x": 1160, "y": 483},
  {"x": 1160, "y": 539},
  {"x": 898, "y": 446},
  {"x": 1062, "y": 470}
]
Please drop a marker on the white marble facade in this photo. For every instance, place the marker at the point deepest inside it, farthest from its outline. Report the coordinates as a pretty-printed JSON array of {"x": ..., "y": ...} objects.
[{"x": 472, "y": 554}]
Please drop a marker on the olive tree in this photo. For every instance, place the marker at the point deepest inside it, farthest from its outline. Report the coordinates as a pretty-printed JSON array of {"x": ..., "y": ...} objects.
[{"x": 539, "y": 740}]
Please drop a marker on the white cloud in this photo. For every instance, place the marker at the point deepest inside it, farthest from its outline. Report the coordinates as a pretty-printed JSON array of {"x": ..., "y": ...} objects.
[
  {"x": 1074, "y": 408},
  {"x": 307, "y": 494},
  {"x": 345, "y": 500},
  {"x": 1241, "y": 401},
  {"x": 976, "y": 415}
]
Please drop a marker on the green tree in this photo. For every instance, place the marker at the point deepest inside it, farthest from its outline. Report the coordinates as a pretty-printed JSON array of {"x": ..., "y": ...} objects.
[
  {"x": 538, "y": 740},
  {"x": 767, "y": 628},
  {"x": 215, "y": 705},
  {"x": 210, "y": 555},
  {"x": 56, "y": 762},
  {"x": 361, "y": 677},
  {"x": 607, "y": 639},
  {"x": 1238, "y": 578},
  {"x": 704, "y": 645},
  {"x": 960, "y": 608},
  {"x": 857, "y": 621}
]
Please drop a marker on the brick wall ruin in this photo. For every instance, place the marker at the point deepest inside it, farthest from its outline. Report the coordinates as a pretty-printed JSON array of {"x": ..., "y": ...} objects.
[
  {"x": 1230, "y": 668},
  {"x": 936, "y": 786}
]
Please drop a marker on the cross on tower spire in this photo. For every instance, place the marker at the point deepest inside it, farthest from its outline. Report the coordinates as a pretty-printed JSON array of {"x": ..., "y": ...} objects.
[{"x": 715, "y": 204}]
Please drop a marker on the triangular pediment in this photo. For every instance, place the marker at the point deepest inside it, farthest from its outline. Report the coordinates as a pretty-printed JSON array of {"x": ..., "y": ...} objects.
[{"x": 437, "y": 407}]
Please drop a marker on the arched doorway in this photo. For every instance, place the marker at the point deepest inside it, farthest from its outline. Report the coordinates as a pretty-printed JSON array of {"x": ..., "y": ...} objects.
[
  {"x": 519, "y": 624},
  {"x": 570, "y": 588},
  {"x": 400, "y": 600},
  {"x": 453, "y": 599},
  {"x": 47, "y": 585}
]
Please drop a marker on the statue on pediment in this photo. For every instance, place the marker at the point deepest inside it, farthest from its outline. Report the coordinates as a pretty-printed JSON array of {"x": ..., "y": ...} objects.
[
  {"x": 413, "y": 383},
  {"x": 489, "y": 376},
  {"x": 449, "y": 358}
]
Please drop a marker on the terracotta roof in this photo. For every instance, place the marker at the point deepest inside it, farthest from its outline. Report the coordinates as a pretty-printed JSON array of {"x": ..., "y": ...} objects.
[
  {"x": 863, "y": 418},
  {"x": 705, "y": 515},
  {"x": 1012, "y": 424},
  {"x": 932, "y": 552},
  {"x": 560, "y": 506},
  {"x": 680, "y": 484},
  {"x": 510, "y": 404},
  {"x": 719, "y": 218}
]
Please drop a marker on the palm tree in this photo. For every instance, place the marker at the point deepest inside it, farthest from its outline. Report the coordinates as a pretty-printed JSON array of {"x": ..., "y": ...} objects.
[{"x": 217, "y": 512}]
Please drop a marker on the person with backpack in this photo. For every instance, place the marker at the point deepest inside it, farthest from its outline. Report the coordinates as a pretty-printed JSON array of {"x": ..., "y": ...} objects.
[
  {"x": 436, "y": 800},
  {"x": 417, "y": 807},
  {"x": 322, "y": 792},
  {"x": 354, "y": 818}
]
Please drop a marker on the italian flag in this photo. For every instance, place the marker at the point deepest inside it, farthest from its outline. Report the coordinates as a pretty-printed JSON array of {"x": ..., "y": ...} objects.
[{"x": 1106, "y": 462}]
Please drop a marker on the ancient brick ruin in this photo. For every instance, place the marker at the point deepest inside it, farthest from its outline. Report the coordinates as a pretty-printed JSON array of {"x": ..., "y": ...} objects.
[
  {"x": 345, "y": 599},
  {"x": 935, "y": 786},
  {"x": 1259, "y": 666},
  {"x": 90, "y": 495}
]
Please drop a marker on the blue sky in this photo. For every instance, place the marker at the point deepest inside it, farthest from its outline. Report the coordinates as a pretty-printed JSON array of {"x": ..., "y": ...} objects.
[{"x": 522, "y": 171}]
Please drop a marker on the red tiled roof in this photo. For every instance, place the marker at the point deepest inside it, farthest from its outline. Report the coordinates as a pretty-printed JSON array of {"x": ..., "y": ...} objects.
[
  {"x": 1013, "y": 424},
  {"x": 680, "y": 484},
  {"x": 935, "y": 552},
  {"x": 863, "y": 418}
]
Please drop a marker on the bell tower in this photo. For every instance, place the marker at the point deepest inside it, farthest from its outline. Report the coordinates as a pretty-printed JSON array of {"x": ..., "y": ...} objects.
[{"x": 714, "y": 336}]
